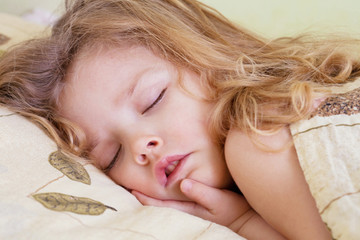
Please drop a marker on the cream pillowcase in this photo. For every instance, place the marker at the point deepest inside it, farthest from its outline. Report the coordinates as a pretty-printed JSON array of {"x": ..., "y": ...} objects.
[{"x": 45, "y": 195}]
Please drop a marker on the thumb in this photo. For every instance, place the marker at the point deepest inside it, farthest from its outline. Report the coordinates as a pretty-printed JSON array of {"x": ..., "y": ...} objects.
[{"x": 200, "y": 193}]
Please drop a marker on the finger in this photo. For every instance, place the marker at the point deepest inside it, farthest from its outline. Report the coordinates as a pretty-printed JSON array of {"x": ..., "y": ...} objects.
[
  {"x": 185, "y": 206},
  {"x": 201, "y": 193},
  {"x": 211, "y": 198}
]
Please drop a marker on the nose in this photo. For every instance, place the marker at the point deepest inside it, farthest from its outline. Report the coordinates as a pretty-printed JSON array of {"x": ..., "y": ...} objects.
[{"x": 146, "y": 149}]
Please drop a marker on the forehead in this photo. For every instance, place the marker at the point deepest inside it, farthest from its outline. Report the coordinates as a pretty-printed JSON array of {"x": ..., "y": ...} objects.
[
  {"x": 105, "y": 55},
  {"x": 100, "y": 65},
  {"x": 100, "y": 77},
  {"x": 109, "y": 67}
]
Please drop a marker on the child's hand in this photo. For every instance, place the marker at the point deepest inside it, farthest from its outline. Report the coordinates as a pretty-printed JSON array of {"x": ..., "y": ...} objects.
[{"x": 221, "y": 206}]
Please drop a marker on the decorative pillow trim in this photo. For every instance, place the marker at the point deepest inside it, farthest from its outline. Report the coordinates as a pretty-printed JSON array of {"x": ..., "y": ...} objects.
[{"x": 346, "y": 103}]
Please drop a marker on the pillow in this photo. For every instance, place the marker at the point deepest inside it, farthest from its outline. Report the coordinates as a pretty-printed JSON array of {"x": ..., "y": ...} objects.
[
  {"x": 14, "y": 30},
  {"x": 281, "y": 18},
  {"x": 46, "y": 195}
]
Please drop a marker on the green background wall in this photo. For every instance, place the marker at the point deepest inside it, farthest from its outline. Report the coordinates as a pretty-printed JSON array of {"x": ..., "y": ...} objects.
[{"x": 272, "y": 18}]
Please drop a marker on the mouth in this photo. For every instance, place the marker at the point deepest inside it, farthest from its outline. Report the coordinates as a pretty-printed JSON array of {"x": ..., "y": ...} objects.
[
  {"x": 168, "y": 169},
  {"x": 171, "y": 167}
]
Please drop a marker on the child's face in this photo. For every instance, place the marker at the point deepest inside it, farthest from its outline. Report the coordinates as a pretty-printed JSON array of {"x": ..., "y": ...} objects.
[{"x": 143, "y": 127}]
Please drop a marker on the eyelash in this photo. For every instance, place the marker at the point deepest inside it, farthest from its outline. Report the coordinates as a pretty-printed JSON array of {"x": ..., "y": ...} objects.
[
  {"x": 158, "y": 99},
  {"x": 113, "y": 161}
]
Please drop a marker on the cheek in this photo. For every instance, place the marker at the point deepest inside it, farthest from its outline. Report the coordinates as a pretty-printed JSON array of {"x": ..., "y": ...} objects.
[
  {"x": 184, "y": 132},
  {"x": 190, "y": 118},
  {"x": 125, "y": 176},
  {"x": 218, "y": 175},
  {"x": 133, "y": 177}
]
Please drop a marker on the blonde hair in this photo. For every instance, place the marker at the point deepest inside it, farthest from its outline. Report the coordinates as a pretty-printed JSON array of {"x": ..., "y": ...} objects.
[{"x": 246, "y": 76}]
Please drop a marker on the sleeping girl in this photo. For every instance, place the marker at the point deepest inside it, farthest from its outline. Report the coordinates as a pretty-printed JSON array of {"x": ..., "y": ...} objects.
[{"x": 183, "y": 108}]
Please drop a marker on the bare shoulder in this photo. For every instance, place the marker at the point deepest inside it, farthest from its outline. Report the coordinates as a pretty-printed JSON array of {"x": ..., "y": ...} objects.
[
  {"x": 240, "y": 146},
  {"x": 259, "y": 159},
  {"x": 255, "y": 160},
  {"x": 273, "y": 183}
]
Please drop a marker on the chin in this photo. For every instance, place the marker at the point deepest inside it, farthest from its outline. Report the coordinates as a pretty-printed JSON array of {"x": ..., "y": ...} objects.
[
  {"x": 177, "y": 195},
  {"x": 173, "y": 194}
]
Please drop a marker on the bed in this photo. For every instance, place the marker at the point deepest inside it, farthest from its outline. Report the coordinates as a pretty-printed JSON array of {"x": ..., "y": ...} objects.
[
  {"x": 47, "y": 195},
  {"x": 38, "y": 201}
]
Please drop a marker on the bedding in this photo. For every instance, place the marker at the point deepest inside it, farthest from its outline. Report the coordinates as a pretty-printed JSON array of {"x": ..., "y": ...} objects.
[
  {"x": 328, "y": 147},
  {"x": 45, "y": 194},
  {"x": 14, "y": 30}
]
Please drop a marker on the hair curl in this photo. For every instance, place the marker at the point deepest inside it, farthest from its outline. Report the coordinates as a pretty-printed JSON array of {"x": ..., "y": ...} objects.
[{"x": 246, "y": 76}]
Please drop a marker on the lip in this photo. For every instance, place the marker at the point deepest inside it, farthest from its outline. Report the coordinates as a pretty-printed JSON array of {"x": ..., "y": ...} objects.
[{"x": 164, "y": 163}]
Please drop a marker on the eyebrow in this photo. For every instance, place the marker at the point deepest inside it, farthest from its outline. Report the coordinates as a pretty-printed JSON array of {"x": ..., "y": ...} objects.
[{"x": 135, "y": 84}]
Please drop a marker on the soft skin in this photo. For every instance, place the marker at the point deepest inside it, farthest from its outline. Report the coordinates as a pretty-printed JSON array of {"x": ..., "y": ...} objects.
[
  {"x": 151, "y": 136},
  {"x": 274, "y": 183},
  {"x": 132, "y": 99}
]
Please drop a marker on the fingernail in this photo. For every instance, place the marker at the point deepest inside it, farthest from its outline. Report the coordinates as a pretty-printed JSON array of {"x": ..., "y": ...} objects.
[{"x": 186, "y": 185}]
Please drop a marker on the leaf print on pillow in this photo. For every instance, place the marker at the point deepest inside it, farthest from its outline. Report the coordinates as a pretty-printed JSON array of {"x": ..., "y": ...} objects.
[
  {"x": 62, "y": 202},
  {"x": 72, "y": 169}
]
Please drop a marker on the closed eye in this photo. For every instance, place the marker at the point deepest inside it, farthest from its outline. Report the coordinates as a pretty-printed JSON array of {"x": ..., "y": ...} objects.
[
  {"x": 113, "y": 161},
  {"x": 157, "y": 100}
]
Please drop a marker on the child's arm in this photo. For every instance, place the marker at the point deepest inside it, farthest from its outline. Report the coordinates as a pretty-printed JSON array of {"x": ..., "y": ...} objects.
[
  {"x": 274, "y": 184},
  {"x": 221, "y": 206}
]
